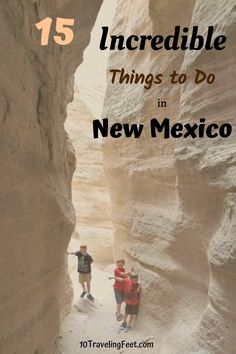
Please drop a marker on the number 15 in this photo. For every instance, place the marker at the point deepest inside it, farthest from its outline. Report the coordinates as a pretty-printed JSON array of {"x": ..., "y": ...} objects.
[{"x": 65, "y": 34}]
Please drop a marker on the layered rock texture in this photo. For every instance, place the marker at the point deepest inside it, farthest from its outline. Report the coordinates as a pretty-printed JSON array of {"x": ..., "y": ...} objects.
[
  {"x": 174, "y": 200},
  {"x": 37, "y": 163},
  {"x": 90, "y": 187}
]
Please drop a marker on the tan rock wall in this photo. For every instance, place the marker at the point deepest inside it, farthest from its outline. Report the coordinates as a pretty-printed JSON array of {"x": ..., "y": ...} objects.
[
  {"x": 89, "y": 187},
  {"x": 174, "y": 201},
  {"x": 37, "y": 163}
]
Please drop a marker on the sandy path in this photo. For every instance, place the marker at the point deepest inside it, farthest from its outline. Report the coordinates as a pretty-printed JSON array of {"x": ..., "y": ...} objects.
[{"x": 96, "y": 321}]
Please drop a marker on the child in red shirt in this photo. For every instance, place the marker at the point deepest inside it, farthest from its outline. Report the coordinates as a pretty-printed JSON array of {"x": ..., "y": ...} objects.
[
  {"x": 131, "y": 290},
  {"x": 120, "y": 273}
]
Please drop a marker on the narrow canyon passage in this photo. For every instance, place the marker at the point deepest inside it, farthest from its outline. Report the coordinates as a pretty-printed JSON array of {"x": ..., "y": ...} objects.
[
  {"x": 160, "y": 197},
  {"x": 92, "y": 320}
]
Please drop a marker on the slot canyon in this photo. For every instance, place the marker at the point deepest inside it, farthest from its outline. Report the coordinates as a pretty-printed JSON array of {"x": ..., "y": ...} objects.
[{"x": 173, "y": 202}]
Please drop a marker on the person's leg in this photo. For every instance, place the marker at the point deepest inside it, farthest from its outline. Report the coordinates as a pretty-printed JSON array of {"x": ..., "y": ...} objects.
[
  {"x": 130, "y": 320},
  {"x": 125, "y": 318},
  {"x": 122, "y": 296},
  {"x": 133, "y": 310},
  {"x": 83, "y": 286},
  {"x": 88, "y": 283},
  {"x": 84, "y": 290},
  {"x": 118, "y": 314},
  {"x": 133, "y": 320},
  {"x": 124, "y": 323},
  {"x": 88, "y": 279},
  {"x": 118, "y": 308},
  {"x": 82, "y": 283},
  {"x": 88, "y": 287},
  {"x": 119, "y": 299}
]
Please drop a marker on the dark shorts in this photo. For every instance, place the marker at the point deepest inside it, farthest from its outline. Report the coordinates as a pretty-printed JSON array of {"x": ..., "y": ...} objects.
[
  {"x": 119, "y": 295},
  {"x": 131, "y": 309}
]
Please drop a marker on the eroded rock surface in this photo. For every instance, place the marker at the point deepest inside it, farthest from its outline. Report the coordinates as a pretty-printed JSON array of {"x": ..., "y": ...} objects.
[
  {"x": 174, "y": 200},
  {"x": 37, "y": 163},
  {"x": 90, "y": 187}
]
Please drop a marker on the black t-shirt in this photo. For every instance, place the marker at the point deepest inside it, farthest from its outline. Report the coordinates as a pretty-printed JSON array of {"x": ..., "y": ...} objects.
[{"x": 84, "y": 262}]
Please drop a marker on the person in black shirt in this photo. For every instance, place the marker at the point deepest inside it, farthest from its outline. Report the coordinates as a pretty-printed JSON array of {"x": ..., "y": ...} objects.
[{"x": 84, "y": 270}]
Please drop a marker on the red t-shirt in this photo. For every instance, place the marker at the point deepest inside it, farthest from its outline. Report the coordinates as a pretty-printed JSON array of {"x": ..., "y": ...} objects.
[
  {"x": 119, "y": 285},
  {"x": 131, "y": 292}
]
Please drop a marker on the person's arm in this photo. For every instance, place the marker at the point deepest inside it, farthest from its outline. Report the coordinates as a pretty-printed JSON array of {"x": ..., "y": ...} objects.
[
  {"x": 120, "y": 274},
  {"x": 117, "y": 278},
  {"x": 91, "y": 259},
  {"x": 71, "y": 253}
]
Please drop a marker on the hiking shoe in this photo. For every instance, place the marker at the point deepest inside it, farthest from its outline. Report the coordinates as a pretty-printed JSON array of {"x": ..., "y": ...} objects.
[
  {"x": 83, "y": 294},
  {"x": 123, "y": 325},
  {"x": 90, "y": 297},
  {"x": 127, "y": 329},
  {"x": 119, "y": 317}
]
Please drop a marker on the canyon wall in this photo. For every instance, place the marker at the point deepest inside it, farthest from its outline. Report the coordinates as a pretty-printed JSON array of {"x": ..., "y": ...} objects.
[
  {"x": 89, "y": 186},
  {"x": 173, "y": 200},
  {"x": 37, "y": 162}
]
